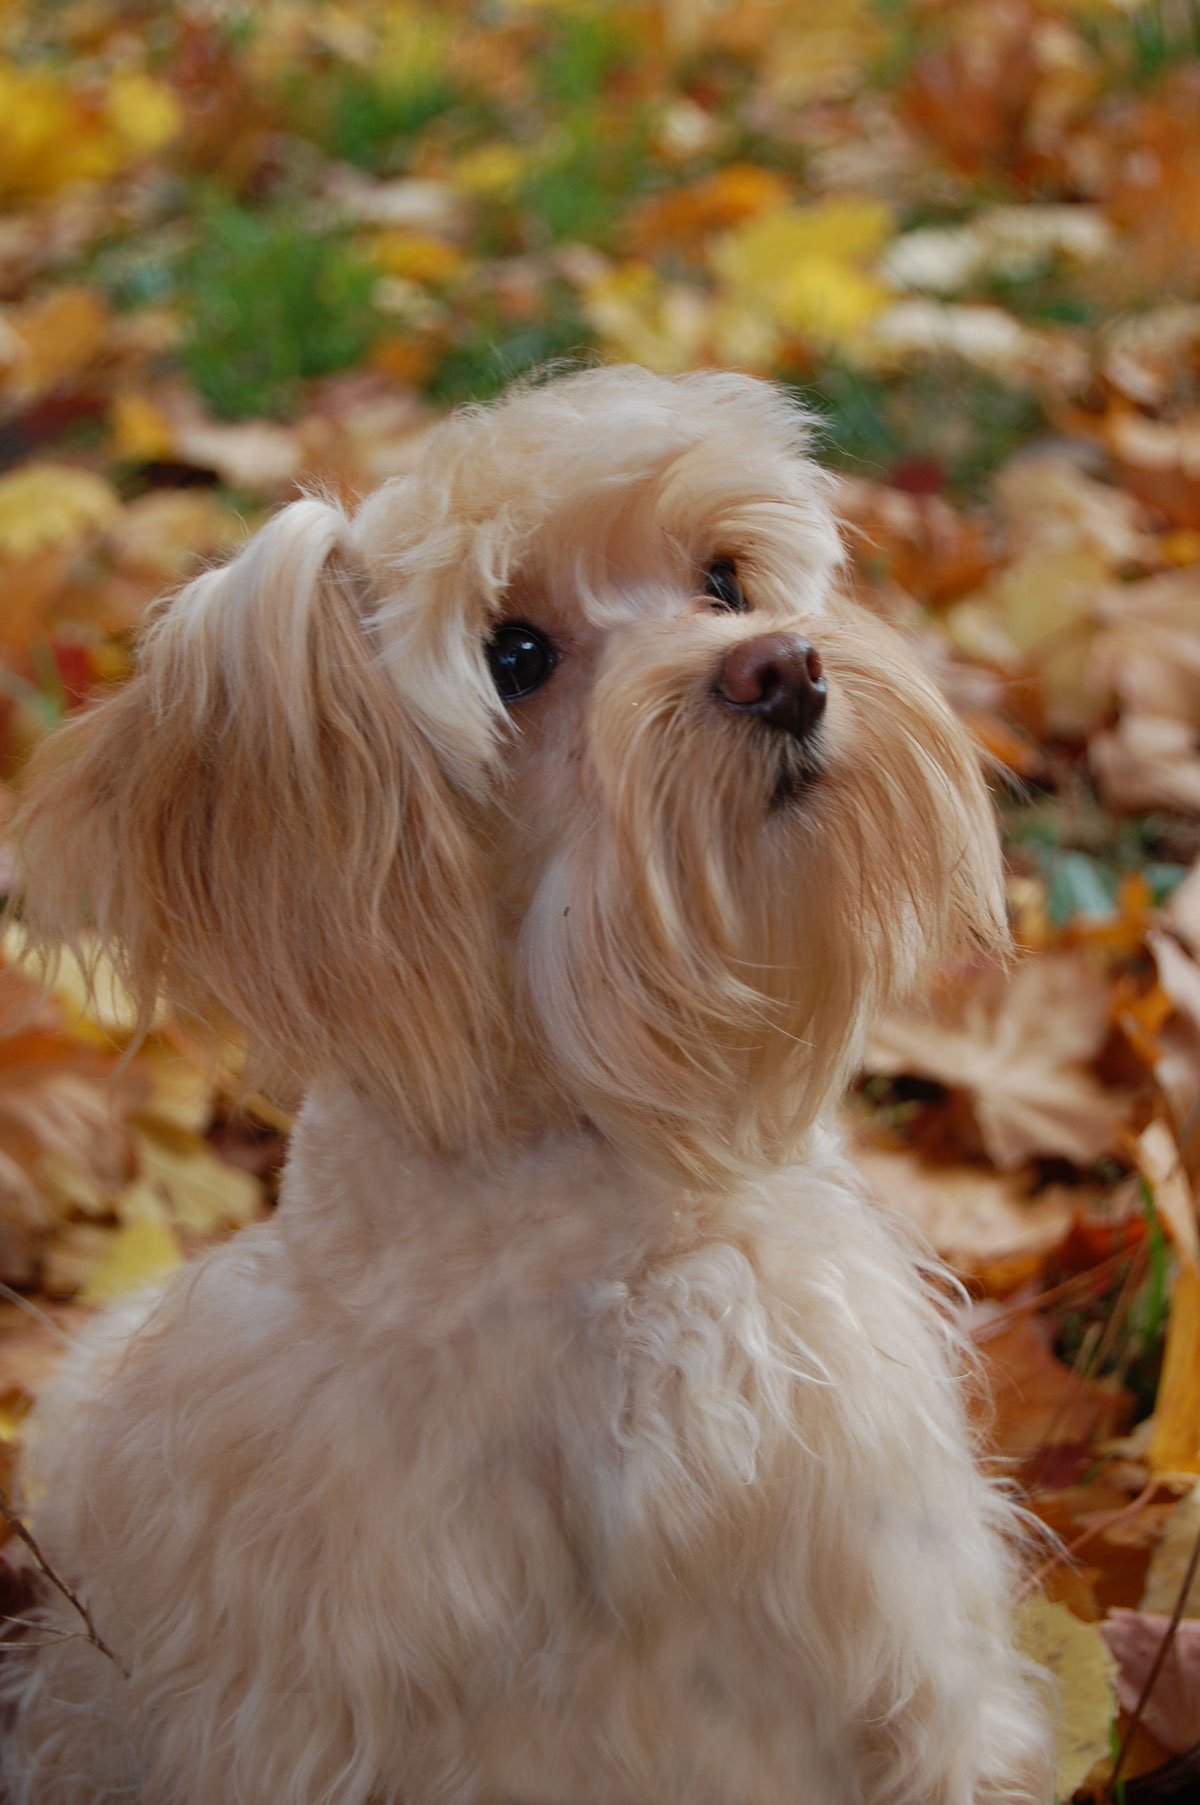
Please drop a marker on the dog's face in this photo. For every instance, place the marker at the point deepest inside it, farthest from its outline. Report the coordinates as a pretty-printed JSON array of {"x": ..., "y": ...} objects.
[{"x": 558, "y": 784}]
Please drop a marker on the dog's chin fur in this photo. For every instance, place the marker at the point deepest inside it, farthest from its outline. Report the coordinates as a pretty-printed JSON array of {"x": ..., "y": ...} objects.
[{"x": 576, "y": 1431}]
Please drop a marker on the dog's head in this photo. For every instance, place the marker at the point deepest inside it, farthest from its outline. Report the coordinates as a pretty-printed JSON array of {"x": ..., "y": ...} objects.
[{"x": 558, "y": 783}]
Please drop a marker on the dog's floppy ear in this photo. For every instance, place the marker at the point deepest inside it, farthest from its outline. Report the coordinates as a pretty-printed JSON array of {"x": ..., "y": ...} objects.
[{"x": 256, "y": 831}]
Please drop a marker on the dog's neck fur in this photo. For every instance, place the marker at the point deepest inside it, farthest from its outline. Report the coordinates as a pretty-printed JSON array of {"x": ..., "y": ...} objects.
[{"x": 538, "y": 1212}]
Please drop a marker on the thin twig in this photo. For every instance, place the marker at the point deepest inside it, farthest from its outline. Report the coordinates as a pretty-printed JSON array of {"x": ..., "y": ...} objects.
[
  {"x": 30, "y": 1623},
  {"x": 1164, "y": 1649},
  {"x": 23, "y": 1645},
  {"x": 60, "y": 1585},
  {"x": 984, "y": 1331},
  {"x": 39, "y": 1315},
  {"x": 1062, "y": 1555}
]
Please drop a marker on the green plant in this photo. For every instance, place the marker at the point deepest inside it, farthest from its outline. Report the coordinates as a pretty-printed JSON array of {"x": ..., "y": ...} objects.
[{"x": 270, "y": 301}]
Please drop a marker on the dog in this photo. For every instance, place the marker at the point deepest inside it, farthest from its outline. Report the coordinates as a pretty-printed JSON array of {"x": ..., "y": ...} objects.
[{"x": 578, "y": 1432}]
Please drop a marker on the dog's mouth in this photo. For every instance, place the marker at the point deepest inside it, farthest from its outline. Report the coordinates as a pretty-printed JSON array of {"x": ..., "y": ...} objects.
[{"x": 800, "y": 770}]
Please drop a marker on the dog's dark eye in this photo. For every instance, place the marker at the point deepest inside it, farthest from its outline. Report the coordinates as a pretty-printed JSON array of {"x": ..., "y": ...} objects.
[
  {"x": 721, "y": 584},
  {"x": 520, "y": 659}
]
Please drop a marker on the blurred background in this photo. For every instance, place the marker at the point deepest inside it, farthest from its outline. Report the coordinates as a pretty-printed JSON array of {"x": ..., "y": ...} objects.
[{"x": 248, "y": 246}]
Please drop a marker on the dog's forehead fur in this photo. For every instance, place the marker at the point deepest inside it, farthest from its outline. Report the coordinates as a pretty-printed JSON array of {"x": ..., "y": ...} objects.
[{"x": 602, "y": 490}]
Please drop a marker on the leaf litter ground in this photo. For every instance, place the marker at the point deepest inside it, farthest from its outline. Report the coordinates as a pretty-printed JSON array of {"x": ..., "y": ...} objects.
[{"x": 246, "y": 245}]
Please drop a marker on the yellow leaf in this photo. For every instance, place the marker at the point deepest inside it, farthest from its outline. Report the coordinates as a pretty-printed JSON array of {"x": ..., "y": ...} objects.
[
  {"x": 49, "y": 135},
  {"x": 645, "y": 320},
  {"x": 53, "y": 338},
  {"x": 47, "y": 505},
  {"x": 104, "y": 1007},
  {"x": 141, "y": 1251},
  {"x": 141, "y": 431},
  {"x": 810, "y": 268},
  {"x": 144, "y": 113},
  {"x": 1076, "y": 1656},
  {"x": 492, "y": 171},
  {"x": 204, "y": 1193},
  {"x": 1170, "y": 1560},
  {"x": 418, "y": 257},
  {"x": 1175, "y": 1444}
]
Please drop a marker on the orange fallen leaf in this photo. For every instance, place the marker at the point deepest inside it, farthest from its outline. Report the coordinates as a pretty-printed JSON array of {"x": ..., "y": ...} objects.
[
  {"x": 1175, "y": 1443},
  {"x": 1035, "y": 1400}
]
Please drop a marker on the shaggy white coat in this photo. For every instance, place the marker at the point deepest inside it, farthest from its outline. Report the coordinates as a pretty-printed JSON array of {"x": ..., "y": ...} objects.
[{"x": 577, "y": 1433}]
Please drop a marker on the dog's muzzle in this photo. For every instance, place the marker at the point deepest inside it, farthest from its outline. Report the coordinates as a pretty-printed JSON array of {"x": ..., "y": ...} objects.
[{"x": 776, "y": 678}]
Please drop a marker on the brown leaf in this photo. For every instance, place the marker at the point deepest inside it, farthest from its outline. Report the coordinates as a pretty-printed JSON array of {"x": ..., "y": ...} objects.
[
  {"x": 1015, "y": 1045},
  {"x": 1036, "y": 1401},
  {"x": 970, "y": 1215},
  {"x": 1148, "y": 762}
]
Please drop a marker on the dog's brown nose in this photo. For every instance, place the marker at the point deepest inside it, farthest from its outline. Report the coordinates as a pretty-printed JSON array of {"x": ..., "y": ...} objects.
[{"x": 778, "y": 678}]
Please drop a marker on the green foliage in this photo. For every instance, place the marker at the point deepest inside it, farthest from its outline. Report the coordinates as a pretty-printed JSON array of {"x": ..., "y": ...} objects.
[
  {"x": 961, "y": 422},
  {"x": 373, "y": 122},
  {"x": 1139, "y": 43},
  {"x": 583, "y": 51},
  {"x": 590, "y": 163},
  {"x": 582, "y": 183},
  {"x": 271, "y": 301},
  {"x": 496, "y": 351}
]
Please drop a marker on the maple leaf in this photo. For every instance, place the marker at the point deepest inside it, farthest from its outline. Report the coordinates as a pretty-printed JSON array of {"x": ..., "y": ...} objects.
[
  {"x": 1016, "y": 1047},
  {"x": 970, "y": 1215},
  {"x": 810, "y": 269},
  {"x": 1035, "y": 1401}
]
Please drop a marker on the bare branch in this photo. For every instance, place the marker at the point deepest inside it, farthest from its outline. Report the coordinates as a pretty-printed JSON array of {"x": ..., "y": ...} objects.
[
  {"x": 1164, "y": 1649},
  {"x": 60, "y": 1585}
]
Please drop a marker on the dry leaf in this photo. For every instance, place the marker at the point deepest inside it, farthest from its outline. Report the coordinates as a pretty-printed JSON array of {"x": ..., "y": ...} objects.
[
  {"x": 1172, "y": 1711},
  {"x": 1158, "y": 1161},
  {"x": 1016, "y": 1045},
  {"x": 1175, "y": 1446},
  {"x": 809, "y": 270},
  {"x": 202, "y": 1193},
  {"x": 44, "y": 506},
  {"x": 1148, "y": 762},
  {"x": 1170, "y": 1560},
  {"x": 139, "y": 1253},
  {"x": 1035, "y": 1401},
  {"x": 1085, "y": 1675},
  {"x": 971, "y": 1216}
]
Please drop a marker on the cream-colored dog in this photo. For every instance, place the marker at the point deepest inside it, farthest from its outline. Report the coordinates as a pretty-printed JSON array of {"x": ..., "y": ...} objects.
[{"x": 577, "y": 1433}]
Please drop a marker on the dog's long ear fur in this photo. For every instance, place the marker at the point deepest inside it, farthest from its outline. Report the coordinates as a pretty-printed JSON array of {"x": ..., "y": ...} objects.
[{"x": 256, "y": 832}]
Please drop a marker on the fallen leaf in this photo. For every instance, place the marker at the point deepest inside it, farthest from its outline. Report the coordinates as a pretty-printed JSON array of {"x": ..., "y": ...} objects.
[
  {"x": 1036, "y": 1402},
  {"x": 1170, "y": 1560},
  {"x": 1148, "y": 762},
  {"x": 48, "y": 505},
  {"x": 1016, "y": 1046},
  {"x": 202, "y": 1193},
  {"x": 1084, "y": 1671},
  {"x": 1172, "y": 1710},
  {"x": 1158, "y": 1161},
  {"x": 809, "y": 269},
  {"x": 141, "y": 1251},
  {"x": 1175, "y": 1445},
  {"x": 970, "y": 1215}
]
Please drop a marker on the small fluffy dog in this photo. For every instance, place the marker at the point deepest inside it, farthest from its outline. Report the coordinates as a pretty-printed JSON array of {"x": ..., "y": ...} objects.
[{"x": 578, "y": 1432}]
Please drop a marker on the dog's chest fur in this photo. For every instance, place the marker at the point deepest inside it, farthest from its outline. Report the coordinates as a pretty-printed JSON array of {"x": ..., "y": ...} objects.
[{"x": 588, "y": 1421}]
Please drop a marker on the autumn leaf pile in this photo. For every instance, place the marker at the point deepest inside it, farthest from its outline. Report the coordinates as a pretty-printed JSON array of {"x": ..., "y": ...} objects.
[{"x": 242, "y": 245}]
